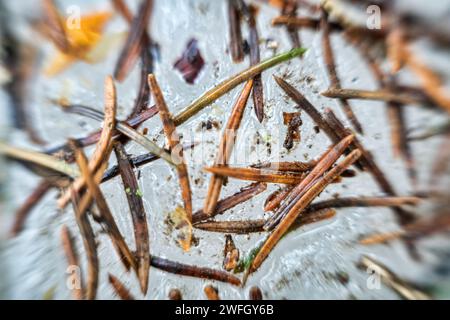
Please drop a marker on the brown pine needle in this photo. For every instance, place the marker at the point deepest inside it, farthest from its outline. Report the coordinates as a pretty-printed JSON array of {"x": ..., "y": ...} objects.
[
  {"x": 431, "y": 82},
  {"x": 134, "y": 42},
  {"x": 273, "y": 200},
  {"x": 368, "y": 163},
  {"x": 105, "y": 218},
  {"x": 174, "y": 143},
  {"x": 146, "y": 57},
  {"x": 54, "y": 27},
  {"x": 123, "y": 9},
  {"x": 211, "y": 292},
  {"x": 253, "y": 41},
  {"x": 413, "y": 231},
  {"x": 326, "y": 161},
  {"x": 193, "y": 271},
  {"x": 332, "y": 73},
  {"x": 300, "y": 204},
  {"x": 138, "y": 215},
  {"x": 382, "y": 95},
  {"x": 226, "y": 147},
  {"x": 381, "y": 238},
  {"x": 25, "y": 209},
  {"x": 403, "y": 288},
  {"x": 241, "y": 196},
  {"x": 119, "y": 288},
  {"x": 260, "y": 175},
  {"x": 234, "y": 29},
  {"x": 294, "y": 166},
  {"x": 235, "y": 226},
  {"x": 289, "y": 9},
  {"x": 103, "y": 142},
  {"x": 72, "y": 258},
  {"x": 90, "y": 246},
  {"x": 395, "y": 43},
  {"x": 366, "y": 202},
  {"x": 225, "y": 86},
  {"x": 302, "y": 22}
]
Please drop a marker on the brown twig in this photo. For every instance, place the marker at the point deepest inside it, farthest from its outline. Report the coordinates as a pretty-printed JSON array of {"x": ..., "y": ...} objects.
[
  {"x": 226, "y": 146},
  {"x": 174, "y": 144},
  {"x": 138, "y": 215}
]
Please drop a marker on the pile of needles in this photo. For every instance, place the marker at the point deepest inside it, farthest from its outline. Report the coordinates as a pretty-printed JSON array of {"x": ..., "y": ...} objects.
[{"x": 294, "y": 204}]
